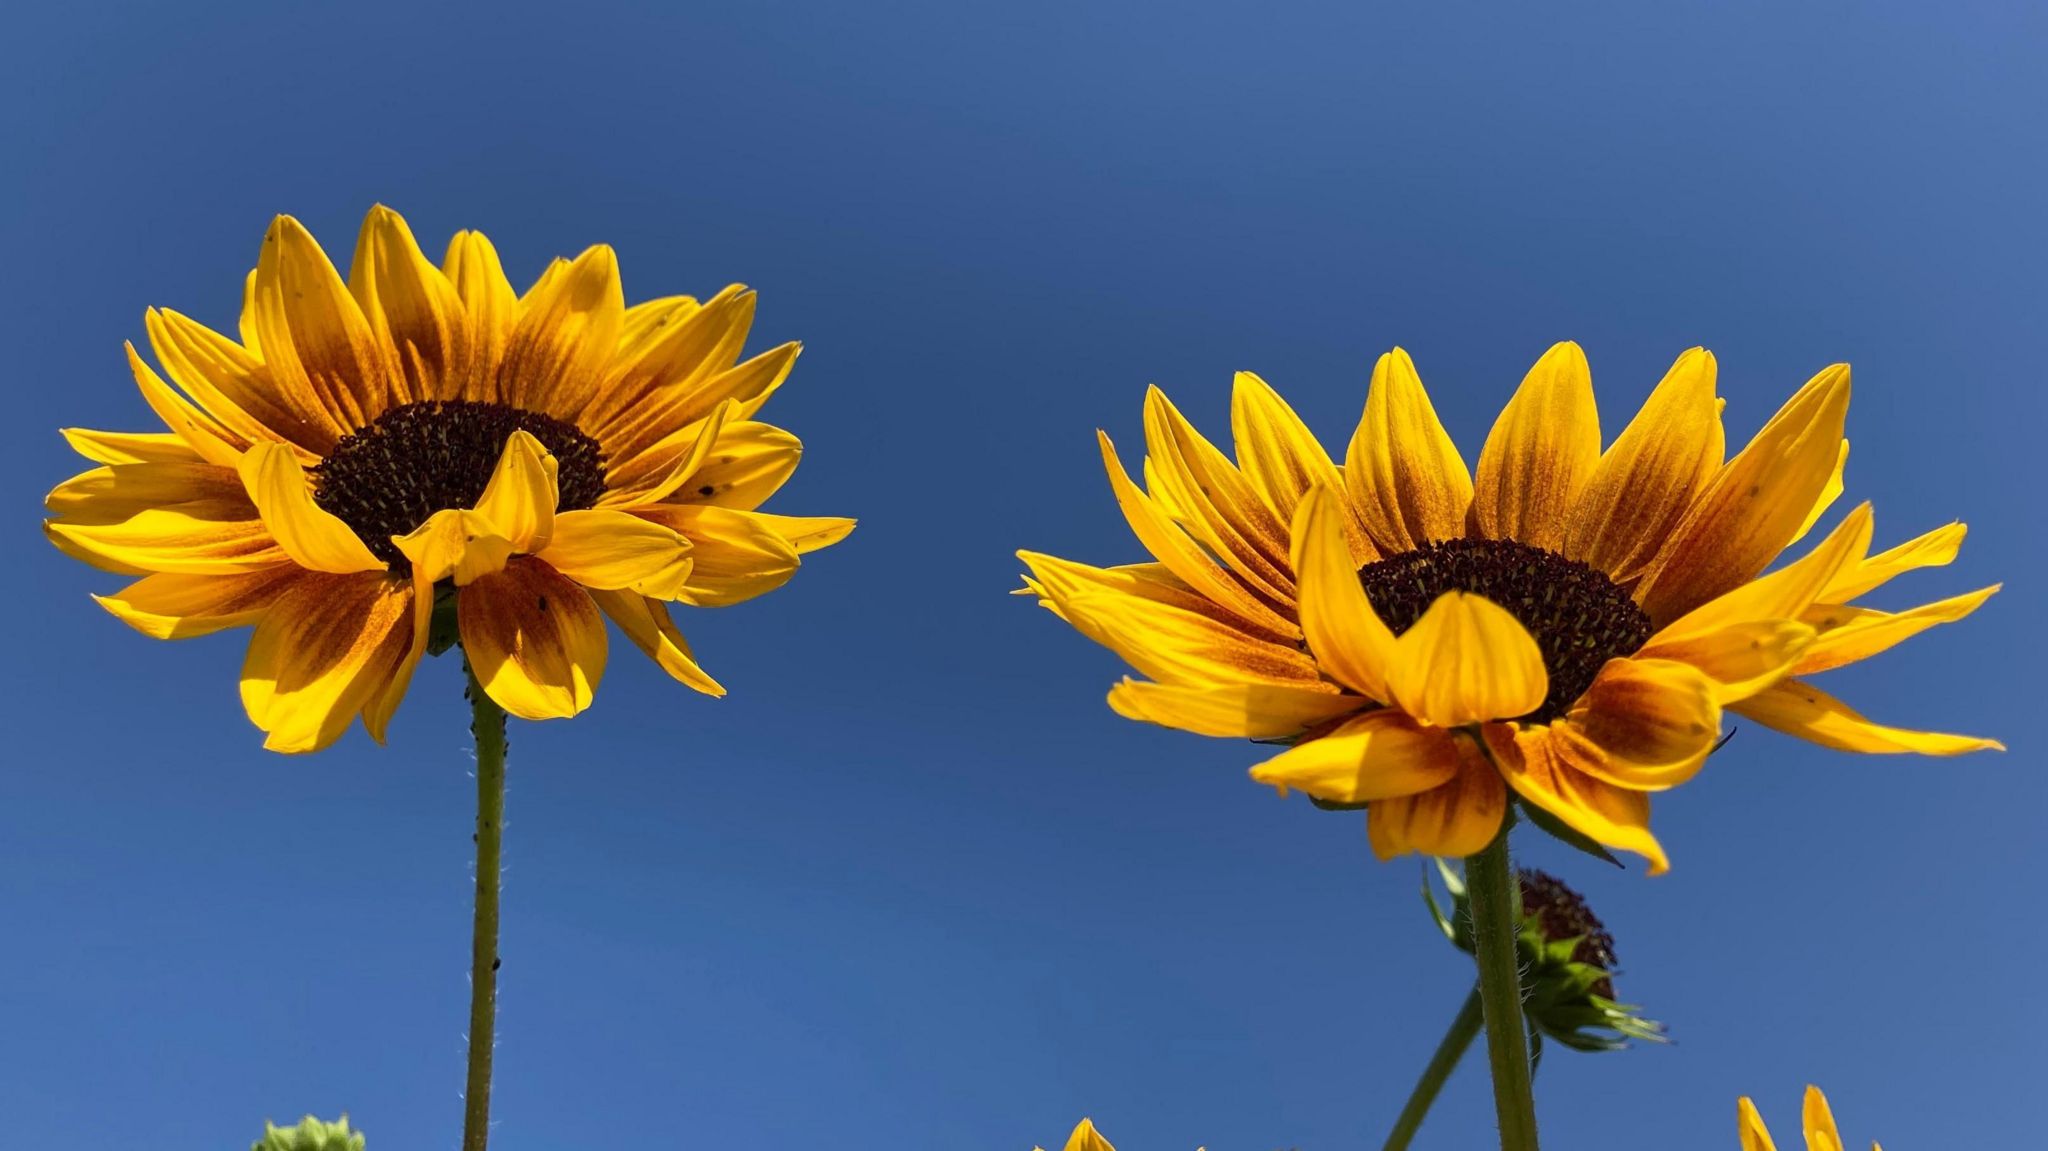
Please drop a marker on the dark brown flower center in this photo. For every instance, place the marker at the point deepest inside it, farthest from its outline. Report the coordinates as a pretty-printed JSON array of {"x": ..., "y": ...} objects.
[
  {"x": 1579, "y": 618},
  {"x": 388, "y": 478}
]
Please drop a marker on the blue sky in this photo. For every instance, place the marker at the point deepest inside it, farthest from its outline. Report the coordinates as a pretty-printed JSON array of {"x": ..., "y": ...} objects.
[{"x": 912, "y": 884}]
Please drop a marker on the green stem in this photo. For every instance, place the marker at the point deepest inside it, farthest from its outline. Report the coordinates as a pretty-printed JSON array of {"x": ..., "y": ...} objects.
[
  {"x": 1463, "y": 1029},
  {"x": 1491, "y": 884},
  {"x": 487, "y": 724}
]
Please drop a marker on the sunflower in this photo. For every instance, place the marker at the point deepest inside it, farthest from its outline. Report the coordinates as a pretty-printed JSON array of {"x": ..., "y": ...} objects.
[
  {"x": 369, "y": 447},
  {"x": 1817, "y": 1120},
  {"x": 1566, "y": 624}
]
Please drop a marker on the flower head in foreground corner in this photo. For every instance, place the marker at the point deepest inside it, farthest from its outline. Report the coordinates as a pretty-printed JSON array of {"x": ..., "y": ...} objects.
[
  {"x": 1567, "y": 623},
  {"x": 420, "y": 433},
  {"x": 1817, "y": 1120}
]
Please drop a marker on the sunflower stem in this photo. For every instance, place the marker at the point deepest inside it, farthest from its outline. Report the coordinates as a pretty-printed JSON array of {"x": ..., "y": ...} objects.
[
  {"x": 1464, "y": 1028},
  {"x": 1491, "y": 882},
  {"x": 487, "y": 724}
]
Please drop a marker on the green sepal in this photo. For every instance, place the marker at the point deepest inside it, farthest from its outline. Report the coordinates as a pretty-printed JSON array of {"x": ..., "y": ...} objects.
[
  {"x": 1337, "y": 805},
  {"x": 1564, "y": 833},
  {"x": 310, "y": 1135}
]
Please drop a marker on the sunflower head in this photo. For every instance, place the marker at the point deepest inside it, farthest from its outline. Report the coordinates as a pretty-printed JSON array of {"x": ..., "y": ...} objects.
[
  {"x": 1567, "y": 961},
  {"x": 310, "y": 1135},
  {"x": 1567, "y": 624},
  {"x": 1817, "y": 1122},
  {"x": 418, "y": 456}
]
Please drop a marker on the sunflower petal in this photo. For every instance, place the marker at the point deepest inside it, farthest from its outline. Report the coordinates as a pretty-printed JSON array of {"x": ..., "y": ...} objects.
[
  {"x": 1796, "y": 707},
  {"x": 1828, "y": 495},
  {"x": 1283, "y": 460},
  {"x": 659, "y": 365},
  {"x": 1215, "y": 500},
  {"x": 383, "y": 703},
  {"x": 457, "y": 543},
  {"x": 1849, "y": 634},
  {"x": 231, "y": 384},
  {"x": 1345, "y": 633},
  {"x": 1456, "y": 818},
  {"x": 315, "y": 339},
  {"x": 1239, "y": 711},
  {"x": 647, "y": 623},
  {"x": 1743, "y": 658},
  {"x": 568, "y": 327},
  {"x": 1376, "y": 756},
  {"x": 659, "y": 472},
  {"x": 519, "y": 501},
  {"x": 1819, "y": 1122},
  {"x": 1403, "y": 472},
  {"x": 1541, "y": 453},
  {"x": 1785, "y": 593},
  {"x": 321, "y": 651},
  {"x": 748, "y": 464},
  {"x": 1754, "y": 505},
  {"x": 615, "y": 551},
  {"x": 412, "y": 308},
  {"x": 130, "y": 447},
  {"x": 1466, "y": 661},
  {"x": 472, "y": 268},
  {"x": 1755, "y": 1136},
  {"x": 1611, "y": 816},
  {"x": 1937, "y": 548},
  {"x": 1180, "y": 647},
  {"x": 175, "y": 606},
  {"x": 735, "y": 555},
  {"x": 1650, "y": 475},
  {"x": 314, "y": 537},
  {"x": 204, "y": 434},
  {"x": 535, "y": 639},
  {"x": 1644, "y": 724}
]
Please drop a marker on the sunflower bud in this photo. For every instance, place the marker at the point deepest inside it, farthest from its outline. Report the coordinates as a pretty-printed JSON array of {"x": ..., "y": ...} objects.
[
  {"x": 310, "y": 1135},
  {"x": 1567, "y": 960}
]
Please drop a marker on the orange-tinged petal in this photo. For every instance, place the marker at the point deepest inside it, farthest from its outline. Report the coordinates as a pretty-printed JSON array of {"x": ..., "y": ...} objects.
[
  {"x": 1743, "y": 658},
  {"x": 323, "y": 650},
  {"x": 568, "y": 327},
  {"x": 1055, "y": 580},
  {"x": 1541, "y": 453},
  {"x": 1175, "y": 646},
  {"x": 315, "y": 538},
  {"x": 747, "y": 385},
  {"x": 1796, "y": 707},
  {"x": 1214, "y": 500},
  {"x": 1376, "y": 756},
  {"x": 1456, "y": 818},
  {"x": 233, "y": 385},
  {"x": 1238, "y": 711},
  {"x": 647, "y": 623},
  {"x": 535, "y": 640},
  {"x": 383, "y": 703},
  {"x": 616, "y": 551},
  {"x": 454, "y": 542},
  {"x": 176, "y": 606},
  {"x": 491, "y": 305},
  {"x": 1344, "y": 632},
  {"x": 1785, "y": 593},
  {"x": 313, "y": 333},
  {"x": 1165, "y": 539},
  {"x": 735, "y": 555},
  {"x": 412, "y": 308},
  {"x": 1649, "y": 476},
  {"x": 1404, "y": 474},
  {"x": 204, "y": 434},
  {"x": 188, "y": 518},
  {"x": 1466, "y": 661},
  {"x": 1753, "y": 506},
  {"x": 119, "y": 492},
  {"x": 1283, "y": 460},
  {"x": 660, "y": 471},
  {"x": 130, "y": 447},
  {"x": 519, "y": 501},
  {"x": 664, "y": 357},
  {"x": 1530, "y": 761},
  {"x": 1849, "y": 634},
  {"x": 1644, "y": 724}
]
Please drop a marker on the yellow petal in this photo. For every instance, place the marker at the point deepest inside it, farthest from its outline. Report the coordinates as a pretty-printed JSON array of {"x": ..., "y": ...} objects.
[
  {"x": 1345, "y": 634},
  {"x": 648, "y": 625},
  {"x": 1785, "y": 593},
  {"x": 666, "y": 357},
  {"x": 1849, "y": 634},
  {"x": 1755, "y": 1136},
  {"x": 535, "y": 640},
  {"x": 1172, "y": 547},
  {"x": 1753, "y": 506},
  {"x": 1819, "y": 1121},
  {"x": 1403, "y": 472},
  {"x": 568, "y": 327},
  {"x": 1796, "y": 707},
  {"x": 204, "y": 434},
  {"x": 130, "y": 447},
  {"x": 1239, "y": 711},
  {"x": 1644, "y": 724},
  {"x": 748, "y": 464},
  {"x": 169, "y": 517},
  {"x": 119, "y": 492},
  {"x": 1828, "y": 495},
  {"x": 1376, "y": 756},
  {"x": 1743, "y": 658},
  {"x": 1175, "y": 646},
  {"x": 1466, "y": 661},
  {"x": 660, "y": 471},
  {"x": 1087, "y": 1138},
  {"x": 519, "y": 502},
  {"x": 735, "y": 555},
  {"x": 412, "y": 308},
  {"x": 472, "y": 268},
  {"x": 1456, "y": 818},
  {"x": 1282, "y": 459},
  {"x": 175, "y": 606},
  {"x": 1055, "y": 580},
  {"x": 650, "y": 320},
  {"x": 322, "y": 651},
  {"x": 237, "y": 389},
  {"x": 1934, "y": 549},
  {"x": 616, "y": 551},
  {"x": 1651, "y": 473},
  {"x": 747, "y": 386},
  {"x": 457, "y": 543},
  {"x": 807, "y": 533},
  {"x": 1530, "y": 761},
  {"x": 315, "y": 339},
  {"x": 1216, "y": 502},
  {"x": 1541, "y": 453},
  {"x": 383, "y": 703},
  {"x": 315, "y": 538}
]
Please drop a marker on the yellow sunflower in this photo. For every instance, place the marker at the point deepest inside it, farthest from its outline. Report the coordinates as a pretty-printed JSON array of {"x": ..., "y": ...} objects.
[
  {"x": 1567, "y": 624},
  {"x": 1817, "y": 1120},
  {"x": 369, "y": 446}
]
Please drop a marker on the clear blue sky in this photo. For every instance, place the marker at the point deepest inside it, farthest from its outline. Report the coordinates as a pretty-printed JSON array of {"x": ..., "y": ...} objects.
[{"x": 913, "y": 885}]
